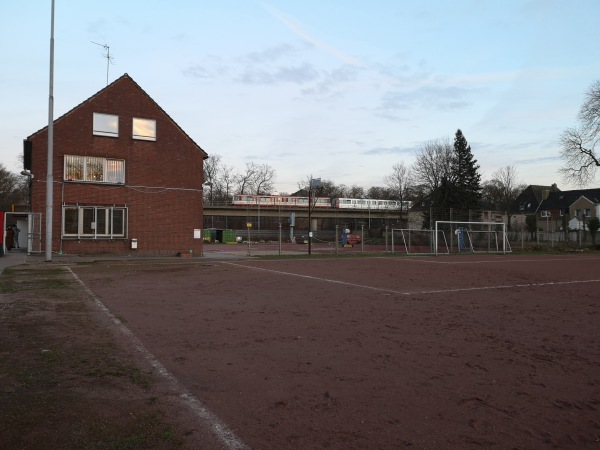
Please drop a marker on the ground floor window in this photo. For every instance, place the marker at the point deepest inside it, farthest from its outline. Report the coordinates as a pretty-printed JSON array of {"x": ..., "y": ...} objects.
[{"x": 94, "y": 222}]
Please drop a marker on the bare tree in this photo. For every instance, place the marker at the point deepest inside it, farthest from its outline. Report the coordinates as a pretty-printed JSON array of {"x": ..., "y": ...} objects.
[
  {"x": 433, "y": 164},
  {"x": 578, "y": 144},
  {"x": 356, "y": 191},
  {"x": 589, "y": 114},
  {"x": 263, "y": 179},
  {"x": 13, "y": 189},
  {"x": 379, "y": 192},
  {"x": 226, "y": 183},
  {"x": 502, "y": 190},
  {"x": 255, "y": 179},
  {"x": 212, "y": 171},
  {"x": 245, "y": 179},
  {"x": 399, "y": 182},
  {"x": 509, "y": 186}
]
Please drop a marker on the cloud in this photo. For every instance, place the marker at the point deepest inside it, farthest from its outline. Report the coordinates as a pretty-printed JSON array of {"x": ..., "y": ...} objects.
[
  {"x": 296, "y": 28},
  {"x": 333, "y": 81},
  {"x": 298, "y": 74},
  {"x": 269, "y": 54},
  {"x": 539, "y": 160},
  {"x": 440, "y": 98},
  {"x": 212, "y": 68},
  {"x": 392, "y": 151}
]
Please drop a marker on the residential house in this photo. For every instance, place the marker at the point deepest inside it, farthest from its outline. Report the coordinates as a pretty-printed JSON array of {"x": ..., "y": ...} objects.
[
  {"x": 127, "y": 180},
  {"x": 569, "y": 210},
  {"x": 529, "y": 200}
]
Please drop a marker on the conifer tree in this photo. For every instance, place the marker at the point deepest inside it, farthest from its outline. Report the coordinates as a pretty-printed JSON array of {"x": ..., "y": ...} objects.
[{"x": 466, "y": 179}]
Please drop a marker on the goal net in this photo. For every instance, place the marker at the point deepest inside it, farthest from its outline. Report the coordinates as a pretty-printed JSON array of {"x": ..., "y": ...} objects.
[
  {"x": 476, "y": 237},
  {"x": 418, "y": 241}
]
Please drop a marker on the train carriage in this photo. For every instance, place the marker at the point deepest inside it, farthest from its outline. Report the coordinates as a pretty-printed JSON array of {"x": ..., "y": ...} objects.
[{"x": 319, "y": 202}]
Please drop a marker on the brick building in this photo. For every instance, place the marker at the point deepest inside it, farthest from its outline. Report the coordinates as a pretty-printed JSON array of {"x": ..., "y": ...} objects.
[{"x": 124, "y": 173}]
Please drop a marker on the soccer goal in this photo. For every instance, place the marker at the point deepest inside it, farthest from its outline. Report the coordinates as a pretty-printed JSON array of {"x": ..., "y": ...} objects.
[
  {"x": 418, "y": 241},
  {"x": 475, "y": 237}
]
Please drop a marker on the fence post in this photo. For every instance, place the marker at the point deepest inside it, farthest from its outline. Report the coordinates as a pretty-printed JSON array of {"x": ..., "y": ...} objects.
[
  {"x": 386, "y": 240},
  {"x": 362, "y": 239}
]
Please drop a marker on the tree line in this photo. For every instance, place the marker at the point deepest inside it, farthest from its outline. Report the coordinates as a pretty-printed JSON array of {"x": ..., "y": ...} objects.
[{"x": 444, "y": 175}]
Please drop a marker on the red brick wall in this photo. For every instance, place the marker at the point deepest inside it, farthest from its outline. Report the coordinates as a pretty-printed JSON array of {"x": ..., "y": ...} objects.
[{"x": 163, "y": 179}]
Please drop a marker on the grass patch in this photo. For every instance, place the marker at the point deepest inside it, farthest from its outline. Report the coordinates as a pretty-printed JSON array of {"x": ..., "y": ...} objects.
[
  {"x": 66, "y": 380},
  {"x": 16, "y": 280}
]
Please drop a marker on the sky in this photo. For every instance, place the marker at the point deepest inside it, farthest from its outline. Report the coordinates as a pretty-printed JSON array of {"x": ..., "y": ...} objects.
[{"x": 339, "y": 89}]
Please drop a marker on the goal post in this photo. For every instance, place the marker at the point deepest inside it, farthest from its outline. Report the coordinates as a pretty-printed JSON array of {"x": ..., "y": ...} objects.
[
  {"x": 413, "y": 241},
  {"x": 475, "y": 237}
]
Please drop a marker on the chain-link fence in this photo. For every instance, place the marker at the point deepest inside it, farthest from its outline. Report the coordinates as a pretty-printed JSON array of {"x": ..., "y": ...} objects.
[{"x": 275, "y": 235}]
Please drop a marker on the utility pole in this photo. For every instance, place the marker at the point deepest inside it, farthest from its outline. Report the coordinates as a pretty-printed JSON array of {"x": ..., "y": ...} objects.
[
  {"x": 49, "y": 177},
  {"x": 313, "y": 183}
]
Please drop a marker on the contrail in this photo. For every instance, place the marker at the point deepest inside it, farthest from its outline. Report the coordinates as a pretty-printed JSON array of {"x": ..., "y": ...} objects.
[{"x": 297, "y": 29}]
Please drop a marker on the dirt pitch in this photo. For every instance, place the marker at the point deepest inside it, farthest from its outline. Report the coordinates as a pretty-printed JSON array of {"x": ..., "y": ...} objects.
[{"x": 452, "y": 352}]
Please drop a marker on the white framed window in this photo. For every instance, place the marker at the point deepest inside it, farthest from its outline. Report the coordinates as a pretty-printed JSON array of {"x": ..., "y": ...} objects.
[
  {"x": 144, "y": 129},
  {"x": 94, "y": 169},
  {"x": 545, "y": 213},
  {"x": 94, "y": 222},
  {"x": 106, "y": 125}
]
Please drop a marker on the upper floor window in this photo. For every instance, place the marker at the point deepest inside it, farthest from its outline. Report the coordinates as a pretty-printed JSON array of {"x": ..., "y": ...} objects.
[
  {"x": 577, "y": 213},
  {"x": 94, "y": 169},
  {"x": 106, "y": 125},
  {"x": 545, "y": 213},
  {"x": 144, "y": 129}
]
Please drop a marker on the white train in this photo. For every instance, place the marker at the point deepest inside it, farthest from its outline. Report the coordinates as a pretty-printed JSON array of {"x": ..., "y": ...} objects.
[{"x": 319, "y": 202}]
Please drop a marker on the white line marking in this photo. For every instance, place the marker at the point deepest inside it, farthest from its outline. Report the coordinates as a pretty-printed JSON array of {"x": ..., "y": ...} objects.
[
  {"x": 226, "y": 436},
  {"x": 496, "y": 261},
  {"x": 392, "y": 291}
]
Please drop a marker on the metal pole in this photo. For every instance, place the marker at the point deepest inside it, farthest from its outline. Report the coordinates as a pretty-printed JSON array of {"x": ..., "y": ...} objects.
[
  {"x": 386, "y": 240},
  {"x": 362, "y": 239},
  {"x": 309, "y": 217},
  {"x": 336, "y": 239},
  {"x": 248, "y": 225},
  {"x": 49, "y": 179}
]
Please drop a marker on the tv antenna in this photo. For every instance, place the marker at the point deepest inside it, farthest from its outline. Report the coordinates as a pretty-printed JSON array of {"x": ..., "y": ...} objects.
[{"x": 109, "y": 59}]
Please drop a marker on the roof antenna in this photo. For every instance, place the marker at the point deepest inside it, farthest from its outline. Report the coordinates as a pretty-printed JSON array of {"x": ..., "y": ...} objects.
[{"x": 109, "y": 58}]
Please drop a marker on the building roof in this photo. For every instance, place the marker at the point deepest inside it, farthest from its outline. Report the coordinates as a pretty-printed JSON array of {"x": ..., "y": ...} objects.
[
  {"x": 564, "y": 199},
  {"x": 124, "y": 78},
  {"x": 530, "y": 199}
]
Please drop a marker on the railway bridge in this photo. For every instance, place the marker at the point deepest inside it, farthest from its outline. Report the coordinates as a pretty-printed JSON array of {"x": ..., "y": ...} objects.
[{"x": 237, "y": 217}]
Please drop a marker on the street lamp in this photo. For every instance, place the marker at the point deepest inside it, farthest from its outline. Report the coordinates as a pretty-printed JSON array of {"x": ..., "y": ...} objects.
[{"x": 29, "y": 176}]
